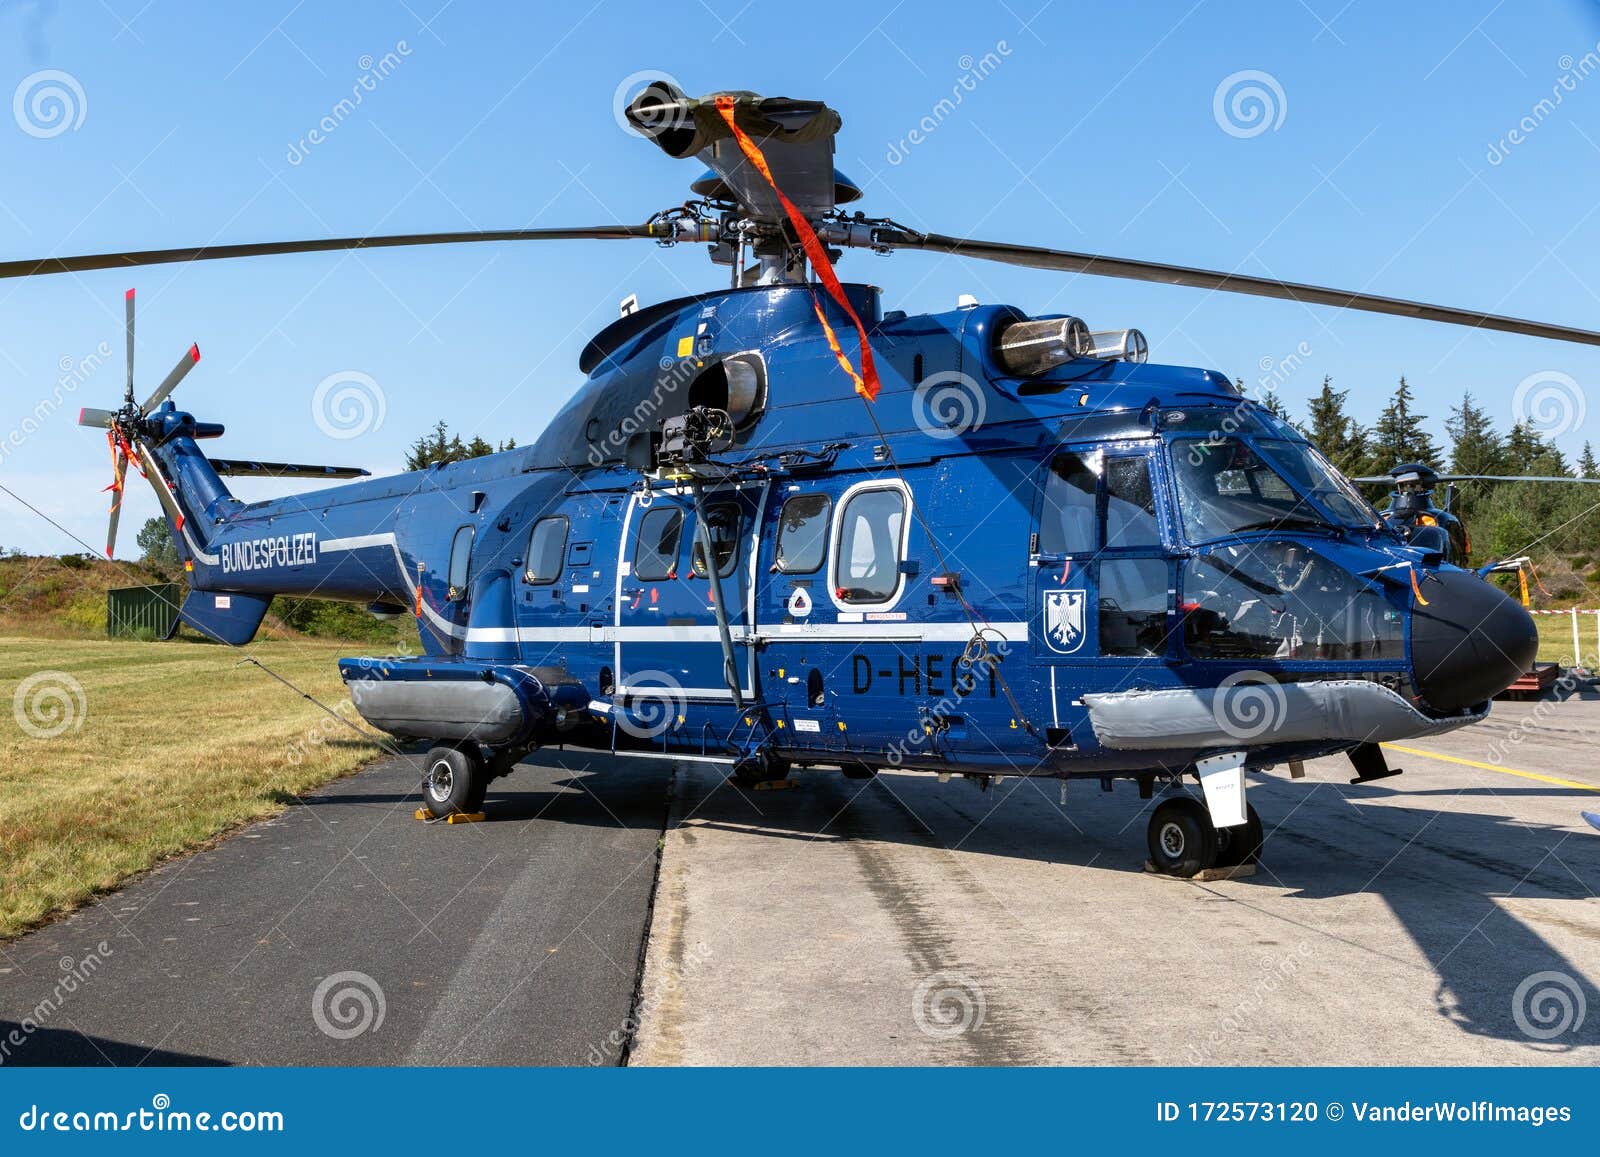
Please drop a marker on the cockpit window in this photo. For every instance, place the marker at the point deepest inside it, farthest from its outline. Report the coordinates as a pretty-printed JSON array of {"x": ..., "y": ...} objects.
[
  {"x": 1313, "y": 474},
  {"x": 1225, "y": 487},
  {"x": 1280, "y": 600},
  {"x": 1095, "y": 501},
  {"x": 1130, "y": 504}
]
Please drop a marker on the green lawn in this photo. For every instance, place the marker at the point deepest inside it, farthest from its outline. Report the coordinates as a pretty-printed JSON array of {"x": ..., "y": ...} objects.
[{"x": 169, "y": 745}]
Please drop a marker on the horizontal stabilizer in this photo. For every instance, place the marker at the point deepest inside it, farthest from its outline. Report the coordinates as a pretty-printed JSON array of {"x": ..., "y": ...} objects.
[
  {"x": 236, "y": 466},
  {"x": 230, "y": 617}
]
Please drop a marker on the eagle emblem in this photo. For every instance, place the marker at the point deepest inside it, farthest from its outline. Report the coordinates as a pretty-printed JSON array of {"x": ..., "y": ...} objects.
[{"x": 1063, "y": 620}]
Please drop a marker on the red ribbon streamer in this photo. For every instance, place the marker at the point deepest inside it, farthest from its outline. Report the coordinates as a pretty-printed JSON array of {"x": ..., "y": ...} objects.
[{"x": 866, "y": 381}]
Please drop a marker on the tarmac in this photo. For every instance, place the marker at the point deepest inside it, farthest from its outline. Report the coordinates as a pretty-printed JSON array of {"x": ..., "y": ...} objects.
[{"x": 615, "y": 910}]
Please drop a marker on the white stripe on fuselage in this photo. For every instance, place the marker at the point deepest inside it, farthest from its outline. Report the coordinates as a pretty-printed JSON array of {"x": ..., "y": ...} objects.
[{"x": 839, "y": 632}]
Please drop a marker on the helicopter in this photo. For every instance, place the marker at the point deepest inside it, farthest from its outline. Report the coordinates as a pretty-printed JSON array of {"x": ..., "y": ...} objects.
[
  {"x": 1412, "y": 514},
  {"x": 975, "y": 542}
]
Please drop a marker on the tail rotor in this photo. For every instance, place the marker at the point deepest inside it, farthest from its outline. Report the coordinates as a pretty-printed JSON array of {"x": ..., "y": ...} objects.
[{"x": 125, "y": 428}]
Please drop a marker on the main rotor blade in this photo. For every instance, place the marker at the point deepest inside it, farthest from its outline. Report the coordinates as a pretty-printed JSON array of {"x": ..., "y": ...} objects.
[
  {"x": 240, "y": 466},
  {"x": 1098, "y": 266},
  {"x": 170, "y": 382},
  {"x": 128, "y": 309},
  {"x": 91, "y": 261},
  {"x": 100, "y": 419},
  {"x": 1512, "y": 478},
  {"x": 1390, "y": 480}
]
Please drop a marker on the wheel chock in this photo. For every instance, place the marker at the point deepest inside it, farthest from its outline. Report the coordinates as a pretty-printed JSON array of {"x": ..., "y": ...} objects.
[
  {"x": 1207, "y": 875},
  {"x": 422, "y": 813}
]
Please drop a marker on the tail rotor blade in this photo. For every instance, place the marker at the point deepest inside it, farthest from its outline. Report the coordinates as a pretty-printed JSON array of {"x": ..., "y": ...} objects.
[
  {"x": 100, "y": 419},
  {"x": 128, "y": 310},
  {"x": 179, "y": 372},
  {"x": 120, "y": 473}
]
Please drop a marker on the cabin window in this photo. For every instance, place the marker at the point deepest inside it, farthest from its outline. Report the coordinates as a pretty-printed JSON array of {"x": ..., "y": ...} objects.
[
  {"x": 1067, "y": 525},
  {"x": 1133, "y": 607},
  {"x": 546, "y": 545},
  {"x": 803, "y": 533},
  {"x": 722, "y": 524},
  {"x": 1130, "y": 518},
  {"x": 460, "y": 560},
  {"x": 655, "y": 551},
  {"x": 868, "y": 544}
]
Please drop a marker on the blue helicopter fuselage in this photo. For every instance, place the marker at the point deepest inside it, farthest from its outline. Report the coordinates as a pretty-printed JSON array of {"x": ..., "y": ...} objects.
[{"x": 1051, "y": 575}]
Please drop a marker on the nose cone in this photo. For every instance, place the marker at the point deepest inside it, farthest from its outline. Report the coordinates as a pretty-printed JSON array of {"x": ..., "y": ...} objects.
[{"x": 1470, "y": 642}]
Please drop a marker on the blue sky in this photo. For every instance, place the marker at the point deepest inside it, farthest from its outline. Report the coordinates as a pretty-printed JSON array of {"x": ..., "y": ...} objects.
[{"x": 1096, "y": 129}]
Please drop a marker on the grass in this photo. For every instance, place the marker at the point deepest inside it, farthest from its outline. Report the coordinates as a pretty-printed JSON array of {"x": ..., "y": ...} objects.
[
  {"x": 1555, "y": 639},
  {"x": 174, "y": 743}
]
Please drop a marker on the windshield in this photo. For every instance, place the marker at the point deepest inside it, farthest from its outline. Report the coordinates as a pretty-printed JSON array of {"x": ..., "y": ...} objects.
[
  {"x": 1312, "y": 474},
  {"x": 1225, "y": 486}
]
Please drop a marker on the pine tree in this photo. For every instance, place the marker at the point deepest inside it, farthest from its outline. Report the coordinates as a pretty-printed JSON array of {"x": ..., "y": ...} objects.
[
  {"x": 1339, "y": 436},
  {"x": 1475, "y": 445},
  {"x": 442, "y": 447},
  {"x": 1587, "y": 466},
  {"x": 1400, "y": 436},
  {"x": 1273, "y": 403}
]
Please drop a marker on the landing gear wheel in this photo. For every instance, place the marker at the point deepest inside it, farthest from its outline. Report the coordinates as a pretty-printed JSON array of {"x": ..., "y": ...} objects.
[
  {"x": 1240, "y": 845},
  {"x": 1181, "y": 838},
  {"x": 454, "y": 780},
  {"x": 759, "y": 768}
]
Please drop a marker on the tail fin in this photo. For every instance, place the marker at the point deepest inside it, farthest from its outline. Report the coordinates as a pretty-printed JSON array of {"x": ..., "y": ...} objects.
[{"x": 231, "y": 617}]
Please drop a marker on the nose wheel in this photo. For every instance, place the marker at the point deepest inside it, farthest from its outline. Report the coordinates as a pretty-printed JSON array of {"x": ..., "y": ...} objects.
[{"x": 1184, "y": 843}]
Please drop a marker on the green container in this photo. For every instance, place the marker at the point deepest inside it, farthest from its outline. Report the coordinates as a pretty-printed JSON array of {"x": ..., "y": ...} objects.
[{"x": 143, "y": 612}]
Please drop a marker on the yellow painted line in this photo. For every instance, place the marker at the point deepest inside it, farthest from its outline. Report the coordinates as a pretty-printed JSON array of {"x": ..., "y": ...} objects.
[{"x": 1492, "y": 767}]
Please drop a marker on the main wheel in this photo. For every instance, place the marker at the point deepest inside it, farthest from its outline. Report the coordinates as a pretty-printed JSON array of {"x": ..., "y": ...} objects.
[
  {"x": 1181, "y": 838},
  {"x": 1242, "y": 844},
  {"x": 454, "y": 780}
]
